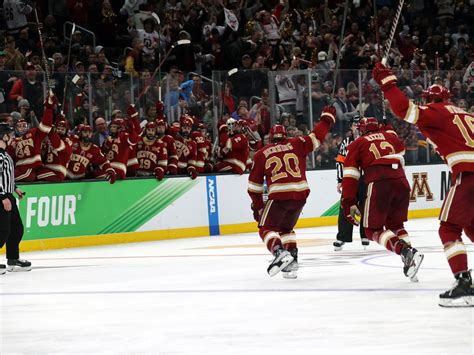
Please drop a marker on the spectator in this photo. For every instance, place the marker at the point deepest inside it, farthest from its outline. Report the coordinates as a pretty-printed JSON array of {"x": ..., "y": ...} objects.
[
  {"x": 101, "y": 133},
  {"x": 15, "y": 59},
  {"x": 14, "y": 13},
  {"x": 344, "y": 110},
  {"x": 29, "y": 88}
]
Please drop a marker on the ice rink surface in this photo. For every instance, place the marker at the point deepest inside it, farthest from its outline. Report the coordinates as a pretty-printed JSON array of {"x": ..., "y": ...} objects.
[{"x": 213, "y": 296}]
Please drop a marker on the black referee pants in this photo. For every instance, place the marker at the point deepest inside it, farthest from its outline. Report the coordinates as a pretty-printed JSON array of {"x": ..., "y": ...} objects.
[
  {"x": 344, "y": 228},
  {"x": 11, "y": 229}
]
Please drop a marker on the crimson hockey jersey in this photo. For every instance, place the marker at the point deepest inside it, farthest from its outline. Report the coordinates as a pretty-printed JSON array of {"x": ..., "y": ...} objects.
[
  {"x": 187, "y": 154},
  {"x": 81, "y": 159},
  {"x": 151, "y": 154},
  {"x": 283, "y": 166},
  {"x": 379, "y": 154},
  {"x": 27, "y": 149},
  {"x": 449, "y": 128},
  {"x": 238, "y": 152},
  {"x": 57, "y": 153}
]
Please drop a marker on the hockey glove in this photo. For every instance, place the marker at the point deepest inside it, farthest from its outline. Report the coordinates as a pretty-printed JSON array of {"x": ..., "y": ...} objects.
[
  {"x": 352, "y": 214},
  {"x": 131, "y": 111},
  {"x": 159, "y": 173},
  {"x": 111, "y": 176},
  {"x": 329, "y": 114},
  {"x": 257, "y": 212},
  {"x": 51, "y": 100},
  {"x": 384, "y": 76},
  {"x": 192, "y": 172}
]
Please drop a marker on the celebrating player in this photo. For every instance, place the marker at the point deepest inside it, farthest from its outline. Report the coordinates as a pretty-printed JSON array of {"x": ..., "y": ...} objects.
[
  {"x": 282, "y": 163},
  {"x": 57, "y": 152},
  {"x": 451, "y": 130},
  {"x": 84, "y": 154},
  {"x": 379, "y": 154},
  {"x": 27, "y": 145},
  {"x": 151, "y": 154},
  {"x": 235, "y": 148}
]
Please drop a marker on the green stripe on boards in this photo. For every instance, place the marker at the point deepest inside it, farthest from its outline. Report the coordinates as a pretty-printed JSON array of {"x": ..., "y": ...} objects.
[
  {"x": 148, "y": 206},
  {"x": 333, "y": 210}
]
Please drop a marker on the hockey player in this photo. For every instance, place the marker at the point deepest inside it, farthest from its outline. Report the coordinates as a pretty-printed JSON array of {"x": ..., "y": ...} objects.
[
  {"x": 206, "y": 148},
  {"x": 186, "y": 148},
  {"x": 170, "y": 143},
  {"x": 26, "y": 147},
  {"x": 282, "y": 163},
  {"x": 235, "y": 148},
  {"x": 344, "y": 228},
  {"x": 84, "y": 154},
  {"x": 151, "y": 154},
  {"x": 118, "y": 144},
  {"x": 379, "y": 154},
  {"x": 57, "y": 152},
  {"x": 197, "y": 136},
  {"x": 451, "y": 130}
]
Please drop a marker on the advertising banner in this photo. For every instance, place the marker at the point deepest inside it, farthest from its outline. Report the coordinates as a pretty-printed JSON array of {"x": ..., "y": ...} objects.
[{"x": 209, "y": 205}]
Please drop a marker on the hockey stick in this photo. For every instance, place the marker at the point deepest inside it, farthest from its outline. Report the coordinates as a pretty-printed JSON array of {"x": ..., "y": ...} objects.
[
  {"x": 67, "y": 67},
  {"x": 387, "y": 49},
  {"x": 178, "y": 43},
  {"x": 341, "y": 40},
  {"x": 45, "y": 60},
  {"x": 392, "y": 32}
]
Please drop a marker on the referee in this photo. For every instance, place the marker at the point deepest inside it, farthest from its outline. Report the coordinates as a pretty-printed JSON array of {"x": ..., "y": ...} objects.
[
  {"x": 11, "y": 226},
  {"x": 344, "y": 228}
]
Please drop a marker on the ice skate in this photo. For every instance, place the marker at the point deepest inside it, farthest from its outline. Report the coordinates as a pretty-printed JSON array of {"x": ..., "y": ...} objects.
[
  {"x": 461, "y": 294},
  {"x": 365, "y": 242},
  {"x": 18, "y": 265},
  {"x": 282, "y": 259},
  {"x": 338, "y": 245},
  {"x": 412, "y": 260},
  {"x": 3, "y": 269},
  {"x": 291, "y": 271}
]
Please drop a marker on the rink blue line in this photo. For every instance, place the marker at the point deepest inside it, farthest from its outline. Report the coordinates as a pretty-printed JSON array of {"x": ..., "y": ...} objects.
[
  {"x": 366, "y": 261},
  {"x": 315, "y": 290}
]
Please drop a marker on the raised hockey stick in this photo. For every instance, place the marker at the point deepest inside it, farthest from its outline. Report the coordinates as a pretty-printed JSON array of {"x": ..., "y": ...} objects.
[
  {"x": 178, "y": 43},
  {"x": 341, "y": 40},
  {"x": 387, "y": 49},
  {"x": 67, "y": 66},
  {"x": 45, "y": 60},
  {"x": 392, "y": 32}
]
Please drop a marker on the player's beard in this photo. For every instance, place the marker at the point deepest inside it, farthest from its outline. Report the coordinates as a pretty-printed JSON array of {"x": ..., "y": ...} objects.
[
  {"x": 86, "y": 140},
  {"x": 150, "y": 138}
]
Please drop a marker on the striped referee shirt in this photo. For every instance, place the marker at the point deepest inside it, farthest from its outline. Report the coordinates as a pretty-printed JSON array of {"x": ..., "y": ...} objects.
[
  {"x": 341, "y": 156},
  {"x": 7, "y": 174}
]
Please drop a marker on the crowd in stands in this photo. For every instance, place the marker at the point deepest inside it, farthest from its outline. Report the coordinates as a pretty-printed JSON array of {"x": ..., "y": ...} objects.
[{"x": 207, "y": 61}]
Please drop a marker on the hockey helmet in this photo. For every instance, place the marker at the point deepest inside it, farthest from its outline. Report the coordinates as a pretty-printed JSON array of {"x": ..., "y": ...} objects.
[
  {"x": 278, "y": 132},
  {"x": 84, "y": 128},
  {"x": 437, "y": 93},
  {"x": 231, "y": 123},
  {"x": 185, "y": 120},
  {"x": 368, "y": 124},
  {"x": 119, "y": 122},
  {"x": 151, "y": 125},
  {"x": 21, "y": 127}
]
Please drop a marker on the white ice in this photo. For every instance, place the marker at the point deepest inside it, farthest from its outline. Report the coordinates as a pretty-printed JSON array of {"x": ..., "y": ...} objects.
[{"x": 213, "y": 296}]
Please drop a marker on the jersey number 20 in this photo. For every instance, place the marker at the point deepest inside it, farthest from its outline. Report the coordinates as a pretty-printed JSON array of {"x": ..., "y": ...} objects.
[{"x": 280, "y": 167}]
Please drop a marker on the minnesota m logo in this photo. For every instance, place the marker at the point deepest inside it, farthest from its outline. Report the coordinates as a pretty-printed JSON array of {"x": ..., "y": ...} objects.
[{"x": 420, "y": 187}]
